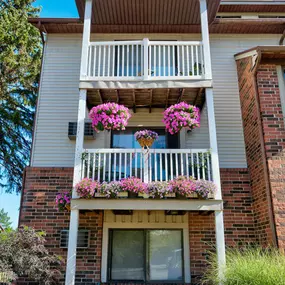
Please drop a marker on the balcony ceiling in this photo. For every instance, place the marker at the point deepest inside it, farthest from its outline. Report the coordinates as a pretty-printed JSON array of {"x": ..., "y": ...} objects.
[
  {"x": 147, "y": 98},
  {"x": 148, "y": 12}
]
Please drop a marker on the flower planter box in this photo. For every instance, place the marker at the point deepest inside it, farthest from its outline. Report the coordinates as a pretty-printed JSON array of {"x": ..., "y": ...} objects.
[
  {"x": 193, "y": 196},
  {"x": 144, "y": 195},
  {"x": 99, "y": 195},
  {"x": 170, "y": 195},
  {"x": 124, "y": 194}
]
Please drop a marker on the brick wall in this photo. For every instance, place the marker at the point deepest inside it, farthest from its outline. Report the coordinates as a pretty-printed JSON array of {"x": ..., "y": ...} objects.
[
  {"x": 238, "y": 220},
  {"x": 274, "y": 139},
  {"x": 39, "y": 211},
  {"x": 254, "y": 144},
  {"x": 265, "y": 141}
]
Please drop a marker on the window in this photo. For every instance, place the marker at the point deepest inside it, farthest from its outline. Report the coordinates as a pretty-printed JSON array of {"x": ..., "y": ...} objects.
[
  {"x": 82, "y": 240},
  {"x": 146, "y": 255}
]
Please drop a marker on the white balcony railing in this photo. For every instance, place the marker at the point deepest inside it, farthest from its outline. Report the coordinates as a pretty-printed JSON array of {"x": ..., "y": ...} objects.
[
  {"x": 155, "y": 165},
  {"x": 145, "y": 60}
]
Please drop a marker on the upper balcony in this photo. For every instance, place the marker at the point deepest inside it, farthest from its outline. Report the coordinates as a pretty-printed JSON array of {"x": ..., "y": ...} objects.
[{"x": 145, "y": 61}]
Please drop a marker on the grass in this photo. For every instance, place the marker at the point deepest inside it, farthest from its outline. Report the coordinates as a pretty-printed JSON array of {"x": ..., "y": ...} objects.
[{"x": 252, "y": 266}]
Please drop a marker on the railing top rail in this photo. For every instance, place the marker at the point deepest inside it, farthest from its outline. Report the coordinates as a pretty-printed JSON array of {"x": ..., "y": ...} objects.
[
  {"x": 116, "y": 43},
  {"x": 157, "y": 43},
  {"x": 175, "y": 43},
  {"x": 139, "y": 150}
]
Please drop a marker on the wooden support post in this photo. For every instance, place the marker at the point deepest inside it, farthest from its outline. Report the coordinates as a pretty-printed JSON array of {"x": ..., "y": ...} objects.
[
  {"x": 86, "y": 39},
  {"x": 72, "y": 245},
  {"x": 205, "y": 39}
]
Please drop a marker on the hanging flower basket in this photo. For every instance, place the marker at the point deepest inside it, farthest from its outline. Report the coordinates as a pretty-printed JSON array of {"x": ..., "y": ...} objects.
[
  {"x": 62, "y": 201},
  {"x": 180, "y": 116},
  {"x": 146, "y": 138},
  {"x": 109, "y": 116}
]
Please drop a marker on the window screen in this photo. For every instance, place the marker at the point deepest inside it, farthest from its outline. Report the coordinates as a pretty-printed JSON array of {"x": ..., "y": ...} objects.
[{"x": 82, "y": 240}]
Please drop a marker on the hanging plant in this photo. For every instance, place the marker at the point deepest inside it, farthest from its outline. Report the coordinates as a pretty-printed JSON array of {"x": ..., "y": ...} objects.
[
  {"x": 146, "y": 138},
  {"x": 62, "y": 201},
  {"x": 109, "y": 116},
  {"x": 180, "y": 116}
]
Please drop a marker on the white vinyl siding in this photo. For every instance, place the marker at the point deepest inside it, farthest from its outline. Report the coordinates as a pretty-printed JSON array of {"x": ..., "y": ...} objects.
[{"x": 58, "y": 100}]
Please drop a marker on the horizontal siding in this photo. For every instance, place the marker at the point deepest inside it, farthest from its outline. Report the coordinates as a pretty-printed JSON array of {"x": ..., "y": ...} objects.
[{"x": 58, "y": 100}]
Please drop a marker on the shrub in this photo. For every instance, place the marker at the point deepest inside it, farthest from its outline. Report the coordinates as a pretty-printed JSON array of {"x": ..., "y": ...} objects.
[
  {"x": 251, "y": 266},
  {"x": 23, "y": 253}
]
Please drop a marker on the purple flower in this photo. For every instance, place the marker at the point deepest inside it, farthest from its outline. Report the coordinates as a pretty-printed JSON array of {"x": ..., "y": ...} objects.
[
  {"x": 205, "y": 187},
  {"x": 62, "y": 200},
  {"x": 147, "y": 134}
]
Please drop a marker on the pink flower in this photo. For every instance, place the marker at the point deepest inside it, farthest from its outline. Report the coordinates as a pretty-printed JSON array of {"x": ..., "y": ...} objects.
[{"x": 87, "y": 187}]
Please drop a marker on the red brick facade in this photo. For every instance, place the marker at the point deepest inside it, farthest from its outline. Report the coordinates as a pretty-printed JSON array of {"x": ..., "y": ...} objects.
[
  {"x": 38, "y": 210},
  {"x": 265, "y": 140}
]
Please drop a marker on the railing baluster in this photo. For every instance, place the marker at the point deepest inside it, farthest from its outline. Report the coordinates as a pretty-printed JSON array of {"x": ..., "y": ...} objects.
[
  {"x": 95, "y": 59},
  {"x": 154, "y": 59},
  {"x": 128, "y": 53},
  {"x": 182, "y": 163},
  {"x": 176, "y": 164},
  {"x": 125, "y": 165},
  {"x": 187, "y": 164},
  {"x": 203, "y": 166},
  {"x": 168, "y": 63},
  {"x": 99, "y": 61},
  {"x": 198, "y": 165},
  {"x": 110, "y": 168},
  {"x": 137, "y": 60},
  {"x": 150, "y": 168},
  {"x": 149, "y": 60},
  {"x": 171, "y": 165},
  {"x": 155, "y": 166},
  {"x": 141, "y": 165},
  {"x": 88, "y": 165},
  {"x": 178, "y": 59},
  {"x": 136, "y": 163},
  {"x": 166, "y": 167},
  {"x": 192, "y": 61},
  {"x": 120, "y": 166},
  {"x": 89, "y": 60},
  {"x": 183, "y": 62},
  {"x": 202, "y": 60},
  {"x": 160, "y": 165},
  {"x": 159, "y": 61},
  {"x": 109, "y": 60},
  {"x": 208, "y": 167},
  {"x": 118, "y": 61},
  {"x": 93, "y": 170},
  {"x": 115, "y": 167},
  {"x": 164, "y": 60},
  {"x": 99, "y": 166},
  {"x": 123, "y": 60},
  {"x": 114, "y": 56},
  {"x": 142, "y": 60},
  {"x": 192, "y": 165},
  {"x": 188, "y": 69},
  {"x": 104, "y": 167},
  {"x": 131, "y": 166},
  {"x": 173, "y": 60},
  {"x": 197, "y": 60},
  {"x": 104, "y": 61},
  {"x": 133, "y": 65}
]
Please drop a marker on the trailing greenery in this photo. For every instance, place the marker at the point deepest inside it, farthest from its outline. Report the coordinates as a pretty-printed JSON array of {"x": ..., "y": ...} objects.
[
  {"x": 23, "y": 253},
  {"x": 251, "y": 266},
  {"x": 5, "y": 220},
  {"x": 20, "y": 60}
]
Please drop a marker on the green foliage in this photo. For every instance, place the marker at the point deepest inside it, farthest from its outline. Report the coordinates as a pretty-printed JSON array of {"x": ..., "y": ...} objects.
[
  {"x": 5, "y": 220},
  {"x": 20, "y": 59},
  {"x": 251, "y": 266},
  {"x": 22, "y": 253}
]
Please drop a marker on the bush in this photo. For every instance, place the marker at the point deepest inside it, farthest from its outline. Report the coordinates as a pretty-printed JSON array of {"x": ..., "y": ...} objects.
[{"x": 251, "y": 266}]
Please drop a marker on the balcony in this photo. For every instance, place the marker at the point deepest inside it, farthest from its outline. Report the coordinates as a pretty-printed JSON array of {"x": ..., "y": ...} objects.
[
  {"x": 152, "y": 165},
  {"x": 145, "y": 61}
]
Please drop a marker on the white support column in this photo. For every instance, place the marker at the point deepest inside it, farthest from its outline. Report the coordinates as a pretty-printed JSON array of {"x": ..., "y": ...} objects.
[
  {"x": 145, "y": 60},
  {"x": 86, "y": 39},
  {"x": 72, "y": 245},
  {"x": 220, "y": 243},
  {"x": 79, "y": 140},
  {"x": 219, "y": 219},
  {"x": 213, "y": 141},
  {"x": 205, "y": 39}
]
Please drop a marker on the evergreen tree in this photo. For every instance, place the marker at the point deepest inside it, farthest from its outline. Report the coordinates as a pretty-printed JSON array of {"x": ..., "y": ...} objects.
[
  {"x": 20, "y": 60},
  {"x": 5, "y": 220}
]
